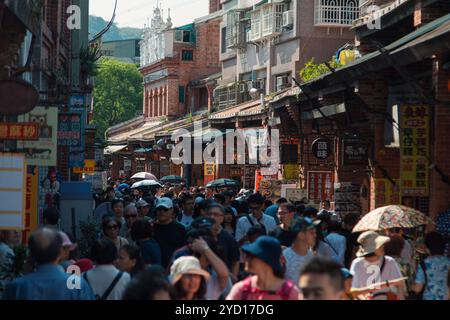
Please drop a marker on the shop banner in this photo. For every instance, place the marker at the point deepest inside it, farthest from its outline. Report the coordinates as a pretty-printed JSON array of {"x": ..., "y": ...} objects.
[
  {"x": 69, "y": 129},
  {"x": 320, "y": 185},
  {"x": 347, "y": 198},
  {"x": 89, "y": 167},
  {"x": 19, "y": 131},
  {"x": 293, "y": 195},
  {"x": 13, "y": 190},
  {"x": 414, "y": 149},
  {"x": 209, "y": 172},
  {"x": 41, "y": 152},
  {"x": 31, "y": 203}
]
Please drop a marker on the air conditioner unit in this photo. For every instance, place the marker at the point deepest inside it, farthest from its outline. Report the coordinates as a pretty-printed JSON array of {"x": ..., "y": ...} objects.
[
  {"x": 288, "y": 18},
  {"x": 242, "y": 87},
  {"x": 178, "y": 35},
  {"x": 282, "y": 82}
]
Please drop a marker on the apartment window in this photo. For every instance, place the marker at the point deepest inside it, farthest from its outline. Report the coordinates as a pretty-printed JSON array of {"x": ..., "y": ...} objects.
[
  {"x": 256, "y": 25},
  {"x": 231, "y": 28},
  {"x": 267, "y": 21},
  {"x": 335, "y": 12},
  {"x": 187, "y": 55},
  {"x": 183, "y": 36},
  {"x": 282, "y": 82},
  {"x": 181, "y": 94},
  {"x": 223, "y": 47}
]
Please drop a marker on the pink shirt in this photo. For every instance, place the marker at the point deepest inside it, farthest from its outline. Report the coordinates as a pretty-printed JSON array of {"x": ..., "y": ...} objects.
[{"x": 236, "y": 292}]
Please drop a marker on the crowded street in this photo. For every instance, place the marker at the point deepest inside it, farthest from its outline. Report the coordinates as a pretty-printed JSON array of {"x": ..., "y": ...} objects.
[{"x": 224, "y": 151}]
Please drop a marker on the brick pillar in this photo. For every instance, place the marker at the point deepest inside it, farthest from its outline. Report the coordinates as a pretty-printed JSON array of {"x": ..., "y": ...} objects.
[
  {"x": 152, "y": 103},
  {"x": 163, "y": 100},
  {"x": 440, "y": 148},
  {"x": 167, "y": 99}
]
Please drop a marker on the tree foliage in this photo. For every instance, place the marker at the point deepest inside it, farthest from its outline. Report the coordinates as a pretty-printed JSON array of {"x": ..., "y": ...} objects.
[
  {"x": 117, "y": 94},
  {"x": 313, "y": 70}
]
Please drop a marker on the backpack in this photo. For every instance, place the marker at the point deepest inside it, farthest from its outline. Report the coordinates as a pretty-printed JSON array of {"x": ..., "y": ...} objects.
[
  {"x": 108, "y": 290},
  {"x": 263, "y": 227},
  {"x": 283, "y": 292}
]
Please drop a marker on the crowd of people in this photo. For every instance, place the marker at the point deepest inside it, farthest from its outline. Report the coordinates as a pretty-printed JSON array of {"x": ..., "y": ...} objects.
[{"x": 216, "y": 244}]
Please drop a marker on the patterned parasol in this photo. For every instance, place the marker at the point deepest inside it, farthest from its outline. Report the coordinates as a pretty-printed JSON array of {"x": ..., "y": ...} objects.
[{"x": 392, "y": 216}]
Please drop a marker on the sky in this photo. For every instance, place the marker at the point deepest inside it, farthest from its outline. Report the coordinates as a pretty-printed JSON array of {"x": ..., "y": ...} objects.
[{"x": 134, "y": 13}]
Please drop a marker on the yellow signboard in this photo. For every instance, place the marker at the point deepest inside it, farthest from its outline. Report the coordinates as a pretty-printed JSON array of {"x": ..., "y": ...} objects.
[
  {"x": 291, "y": 171},
  {"x": 386, "y": 193},
  {"x": 31, "y": 204},
  {"x": 89, "y": 167},
  {"x": 414, "y": 149},
  {"x": 210, "y": 169}
]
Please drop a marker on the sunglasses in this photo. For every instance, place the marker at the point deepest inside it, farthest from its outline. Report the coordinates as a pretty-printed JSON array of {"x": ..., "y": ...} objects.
[{"x": 112, "y": 227}]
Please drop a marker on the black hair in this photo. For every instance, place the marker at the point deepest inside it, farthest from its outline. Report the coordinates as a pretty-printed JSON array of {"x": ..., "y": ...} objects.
[
  {"x": 216, "y": 205},
  {"x": 228, "y": 210},
  {"x": 51, "y": 216},
  {"x": 220, "y": 198},
  {"x": 310, "y": 212},
  {"x": 145, "y": 286},
  {"x": 256, "y": 198},
  {"x": 334, "y": 226},
  {"x": 435, "y": 243},
  {"x": 323, "y": 266},
  {"x": 281, "y": 200},
  {"x": 45, "y": 245},
  {"x": 203, "y": 223},
  {"x": 107, "y": 219},
  {"x": 179, "y": 292},
  {"x": 109, "y": 189},
  {"x": 236, "y": 204},
  {"x": 350, "y": 219},
  {"x": 185, "y": 196},
  {"x": 134, "y": 253},
  {"x": 115, "y": 201},
  {"x": 150, "y": 200},
  {"x": 197, "y": 233},
  {"x": 300, "y": 208},
  {"x": 243, "y": 207},
  {"x": 141, "y": 229},
  {"x": 326, "y": 201},
  {"x": 104, "y": 251},
  {"x": 289, "y": 206},
  {"x": 268, "y": 203}
]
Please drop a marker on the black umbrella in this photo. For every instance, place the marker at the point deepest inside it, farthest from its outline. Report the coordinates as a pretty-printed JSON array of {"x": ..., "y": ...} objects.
[
  {"x": 222, "y": 182},
  {"x": 171, "y": 179}
]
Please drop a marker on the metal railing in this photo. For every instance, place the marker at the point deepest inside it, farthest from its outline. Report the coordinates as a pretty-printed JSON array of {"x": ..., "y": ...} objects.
[{"x": 335, "y": 12}]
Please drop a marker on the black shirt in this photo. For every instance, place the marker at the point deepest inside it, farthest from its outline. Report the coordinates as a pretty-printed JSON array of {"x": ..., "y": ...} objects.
[
  {"x": 284, "y": 236},
  {"x": 351, "y": 243},
  {"x": 170, "y": 237},
  {"x": 228, "y": 248}
]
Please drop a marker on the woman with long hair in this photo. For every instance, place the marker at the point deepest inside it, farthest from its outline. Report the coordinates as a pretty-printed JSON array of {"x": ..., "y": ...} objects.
[
  {"x": 188, "y": 278},
  {"x": 111, "y": 227},
  {"x": 130, "y": 260},
  {"x": 229, "y": 221}
]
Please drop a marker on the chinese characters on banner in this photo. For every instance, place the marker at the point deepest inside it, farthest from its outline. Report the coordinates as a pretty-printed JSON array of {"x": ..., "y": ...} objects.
[
  {"x": 414, "y": 147},
  {"x": 77, "y": 104},
  {"x": 321, "y": 148},
  {"x": 89, "y": 167},
  {"x": 41, "y": 152},
  {"x": 31, "y": 203},
  {"x": 19, "y": 131},
  {"x": 320, "y": 185},
  {"x": 69, "y": 129},
  {"x": 355, "y": 152},
  {"x": 347, "y": 198},
  {"x": 386, "y": 193}
]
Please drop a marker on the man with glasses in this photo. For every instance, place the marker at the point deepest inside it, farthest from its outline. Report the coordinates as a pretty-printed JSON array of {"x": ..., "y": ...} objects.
[
  {"x": 286, "y": 214},
  {"x": 227, "y": 246},
  {"x": 143, "y": 208},
  {"x": 169, "y": 233},
  {"x": 130, "y": 214},
  {"x": 256, "y": 217},
  {"x": 187, "y": 209}
]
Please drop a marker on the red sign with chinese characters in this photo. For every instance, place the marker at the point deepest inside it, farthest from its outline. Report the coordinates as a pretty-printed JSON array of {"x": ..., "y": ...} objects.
[
  {"x": 19, "y": 131},
  {"x": 320, "y": 185}
]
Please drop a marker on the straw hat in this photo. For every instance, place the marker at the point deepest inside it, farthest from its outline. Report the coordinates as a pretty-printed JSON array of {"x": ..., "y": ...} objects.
[
  {"x": 186, "y": 265},
  {"x": 369, "y": 242}
]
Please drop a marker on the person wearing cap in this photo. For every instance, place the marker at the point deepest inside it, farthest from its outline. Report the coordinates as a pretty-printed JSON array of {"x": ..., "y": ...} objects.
[
  {"x": 189, "y": 280},
  {"x": 168, "y": 232},
  {"x": 143, "y": 208},
  {"x": 300, "y": 253},
  {"x": 263, "y": 260},
  {"x": 68, "y": 246},
  {"x": 322, "y": 279},
  {"x": 375, "y": 275},
  {"x": 255, "y": 203}
]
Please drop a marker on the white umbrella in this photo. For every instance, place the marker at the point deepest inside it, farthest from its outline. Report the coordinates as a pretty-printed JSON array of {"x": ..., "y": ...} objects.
[
  {"x": 146, "y": 183},
  {"x": 144, "y": 175}
]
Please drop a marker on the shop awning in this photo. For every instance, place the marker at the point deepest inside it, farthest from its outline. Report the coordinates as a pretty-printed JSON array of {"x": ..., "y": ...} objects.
[{"x": 113, "y": 149}]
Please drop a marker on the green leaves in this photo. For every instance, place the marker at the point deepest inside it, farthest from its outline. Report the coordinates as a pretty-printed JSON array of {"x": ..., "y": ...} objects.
[
  {"x": 312, "y": 70},
  {"x": 117, "y": 94}
]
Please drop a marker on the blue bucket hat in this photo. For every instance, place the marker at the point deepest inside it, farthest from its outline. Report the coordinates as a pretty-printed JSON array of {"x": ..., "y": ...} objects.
[{"x": 266, "y": 248}]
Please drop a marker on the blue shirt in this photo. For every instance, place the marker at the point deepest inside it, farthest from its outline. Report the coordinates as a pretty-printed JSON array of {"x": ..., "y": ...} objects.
[
  {"x": 273, "y": 212},
  {"x": 151, "y": 252},
  {"x": 48, "y": 282},
  {"x": 436, "y": 282}
]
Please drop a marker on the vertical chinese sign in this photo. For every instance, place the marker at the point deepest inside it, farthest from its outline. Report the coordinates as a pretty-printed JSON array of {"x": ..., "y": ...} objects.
[
  {"x": 31, "y": 203},
  {"x": 414, "y": 148},
  {"x": 209, "y": 172},
  {"x": 320, "y": 185}
]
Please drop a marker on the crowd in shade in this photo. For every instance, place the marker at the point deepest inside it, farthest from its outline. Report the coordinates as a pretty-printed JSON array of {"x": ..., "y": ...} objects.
[{"x": 218, "y": 244}]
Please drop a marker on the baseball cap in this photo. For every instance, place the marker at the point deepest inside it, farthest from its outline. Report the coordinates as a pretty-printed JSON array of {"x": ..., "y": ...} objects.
[
  {"x": 164, "y": 202},
  {"x": 142, "y": 203},
  {"x": 304, "y": 224}
]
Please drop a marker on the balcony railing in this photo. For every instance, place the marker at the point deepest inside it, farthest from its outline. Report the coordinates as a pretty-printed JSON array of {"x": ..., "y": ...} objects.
[{"x": 339, "y": 13}]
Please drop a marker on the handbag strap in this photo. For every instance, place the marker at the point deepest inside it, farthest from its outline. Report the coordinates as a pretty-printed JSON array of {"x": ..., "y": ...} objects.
[{"x": 111, "y": 286}]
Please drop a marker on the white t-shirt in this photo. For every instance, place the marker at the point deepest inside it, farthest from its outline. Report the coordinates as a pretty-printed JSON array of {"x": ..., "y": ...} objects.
[
  {"x": 102, "y": 276},
  {"x": 186, "y": 220},
  {"x": 367, "y": 273},
  {"x": 295, "y": 263},
  {"x": 244, "y": 225}
]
